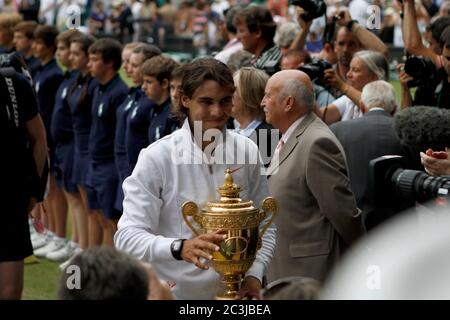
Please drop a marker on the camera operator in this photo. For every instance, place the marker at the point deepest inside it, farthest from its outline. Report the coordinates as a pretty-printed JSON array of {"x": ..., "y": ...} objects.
[
  {"x": 435, "y": 90},
  {"x": 256, "y": 30},
  {"x": 297, "y": 59},
  {"x": 342, "y": 39},
  {"x": 23, "y": 141}
]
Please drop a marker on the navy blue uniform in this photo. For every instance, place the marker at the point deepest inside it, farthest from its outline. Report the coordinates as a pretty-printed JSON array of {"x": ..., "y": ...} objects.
[
  {"x": 46, "y": 83},
  {"x": 62, "y": 134},
  {"x": 33, "y": 65},
  {"x": 80, "y": 104},
  {"x": 163, "y": 122},
  {"x": 18, "y": 167},
  {"x": 138, "y": 122},
  {"x": 120, "y": 150},
  {"x": 103, "y": 177}
]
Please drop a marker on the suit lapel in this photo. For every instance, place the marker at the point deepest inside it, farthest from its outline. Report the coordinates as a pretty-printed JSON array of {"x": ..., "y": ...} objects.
[{"x": 290, "y": 145}]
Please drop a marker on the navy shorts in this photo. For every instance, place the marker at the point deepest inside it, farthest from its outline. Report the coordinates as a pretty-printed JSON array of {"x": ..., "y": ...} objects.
[
  {"x": 80, "y": 170},
  {"x": 64, "y": 154},
  {"x": 102, "y": 188}
]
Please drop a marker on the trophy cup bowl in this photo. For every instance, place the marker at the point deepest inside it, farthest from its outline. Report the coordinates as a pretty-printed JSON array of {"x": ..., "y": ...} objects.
[{"x": 240, "y": 221}]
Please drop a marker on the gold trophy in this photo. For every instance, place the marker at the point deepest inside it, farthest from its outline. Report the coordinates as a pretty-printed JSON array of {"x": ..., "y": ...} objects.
[{"x": 240, "y": 220}]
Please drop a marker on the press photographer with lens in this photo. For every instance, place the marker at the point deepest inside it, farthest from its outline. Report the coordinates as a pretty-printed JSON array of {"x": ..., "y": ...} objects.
[
  {"x": 365, "y": 67},
  {"x": 390, "y": 184},
  {"x": 342, "y": 38},
  {"x": 426, "y": 68}
]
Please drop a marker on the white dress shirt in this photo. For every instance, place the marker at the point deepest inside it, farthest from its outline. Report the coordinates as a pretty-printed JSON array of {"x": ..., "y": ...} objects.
[
  {"x": 247, "y": 131},
  {"x": 169, "y": 172}
]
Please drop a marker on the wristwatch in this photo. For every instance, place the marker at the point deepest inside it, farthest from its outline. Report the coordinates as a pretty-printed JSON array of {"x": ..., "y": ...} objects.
[{"x": 176, "y": 247}]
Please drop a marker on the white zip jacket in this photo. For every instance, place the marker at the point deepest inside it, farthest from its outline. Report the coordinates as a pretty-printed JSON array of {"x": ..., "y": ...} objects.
[{"x": 174, "y": 170}]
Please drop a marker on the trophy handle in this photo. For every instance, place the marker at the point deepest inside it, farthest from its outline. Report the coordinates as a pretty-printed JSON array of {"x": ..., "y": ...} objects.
[
  {"x": 269, "y": 205},
  {"x": 189, "y": 208}
]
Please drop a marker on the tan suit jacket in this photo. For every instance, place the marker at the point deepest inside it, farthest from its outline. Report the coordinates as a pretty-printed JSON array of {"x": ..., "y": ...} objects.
[{"x": 318, "y": 217}]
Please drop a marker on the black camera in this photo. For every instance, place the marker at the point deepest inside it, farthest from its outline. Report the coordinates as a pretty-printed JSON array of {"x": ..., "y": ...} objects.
[
  {"x": 422, "y": 70},
  {"x": 390, "y": 183},
  {"x": 316, "y": 69},
  {"x": 313, "y": 8}
]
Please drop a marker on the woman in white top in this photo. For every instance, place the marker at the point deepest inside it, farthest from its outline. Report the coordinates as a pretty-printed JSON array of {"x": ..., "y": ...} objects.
[
  {"x": 247, "y": 111},
  {"x": 366, "y": 66}
]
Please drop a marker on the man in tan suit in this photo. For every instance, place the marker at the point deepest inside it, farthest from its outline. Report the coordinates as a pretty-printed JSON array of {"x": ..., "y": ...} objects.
[{"x": 308, "y": 175}]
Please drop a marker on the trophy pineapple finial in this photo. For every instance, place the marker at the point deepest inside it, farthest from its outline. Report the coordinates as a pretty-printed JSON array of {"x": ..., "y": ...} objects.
[{"x": 229, "y": 189}]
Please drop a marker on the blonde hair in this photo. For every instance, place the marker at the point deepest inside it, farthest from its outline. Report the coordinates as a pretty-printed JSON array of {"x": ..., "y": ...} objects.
[
  {"x": 131, "y": 46},
  {"x": 251, "y": 84},
  {"x": 8, "y": 22}
]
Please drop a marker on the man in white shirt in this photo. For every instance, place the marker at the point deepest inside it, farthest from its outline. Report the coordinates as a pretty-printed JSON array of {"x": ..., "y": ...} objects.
[{"x": 187, "y": 165}]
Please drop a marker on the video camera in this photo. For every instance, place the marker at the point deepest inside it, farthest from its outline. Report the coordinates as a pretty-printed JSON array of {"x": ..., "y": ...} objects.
[
  {"x": 390, "y": 183},
  {"x": 422, "y": 70},
  {"x": 313, "y": 8},
  {"x": 316, "y": 70}
]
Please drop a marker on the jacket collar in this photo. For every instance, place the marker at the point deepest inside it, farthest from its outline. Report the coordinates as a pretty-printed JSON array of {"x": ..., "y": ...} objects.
[
  {"x": 291, "y": 143},
  {"x": 190, "y": 152}
]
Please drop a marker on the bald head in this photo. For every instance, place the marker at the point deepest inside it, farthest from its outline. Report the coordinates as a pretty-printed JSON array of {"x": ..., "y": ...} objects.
[
  {"x": 289, "y": 94},
  {"x": 298, "y": 75},
  {"x": 297, "y": 85}
]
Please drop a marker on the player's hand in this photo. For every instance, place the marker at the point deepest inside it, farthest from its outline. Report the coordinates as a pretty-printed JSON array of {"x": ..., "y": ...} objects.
[{"x": 201, "y": 247}]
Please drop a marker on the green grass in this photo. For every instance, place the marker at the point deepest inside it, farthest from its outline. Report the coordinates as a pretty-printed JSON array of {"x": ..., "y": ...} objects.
[{"x": 41, "y": 281}]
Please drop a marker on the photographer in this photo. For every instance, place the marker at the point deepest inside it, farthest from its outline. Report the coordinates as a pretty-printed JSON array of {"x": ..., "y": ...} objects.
[
  {"x": 300, "y": 59},
  {"x": 24, "y": 146},
  {"x": 436, "y": 86},
  {"x": 344, "y": 36},
  {"x": 365, "y": 67},
  {"x": 433, "y": 86}
]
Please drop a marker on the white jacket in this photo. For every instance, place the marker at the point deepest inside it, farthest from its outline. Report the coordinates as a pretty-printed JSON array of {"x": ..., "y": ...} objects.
[{"x": 164, "y": 178}]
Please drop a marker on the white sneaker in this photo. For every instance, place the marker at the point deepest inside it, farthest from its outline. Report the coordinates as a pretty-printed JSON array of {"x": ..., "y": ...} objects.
[
  {"x": 66, "y": 263},
  {"x": 38, "y": 240},
  {"x": 53, "y": 245},
  {"x": 64, "y": 253},
  {"x": 30, "y": 224}
]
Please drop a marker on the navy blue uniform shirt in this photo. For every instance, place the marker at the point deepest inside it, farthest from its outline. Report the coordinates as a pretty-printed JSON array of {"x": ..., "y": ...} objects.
[
  {"x": 82, "y": 112},
  {"x": 61, "y": 124},
  {"x": 163, "y": 122},
  {"x": 120, "y": 149},
  {"x": 138, "y": 122},
  {"x": 33, "y": 65},
  {"x": 107, "y": 98},
  {"x": 46, "y": 83}
]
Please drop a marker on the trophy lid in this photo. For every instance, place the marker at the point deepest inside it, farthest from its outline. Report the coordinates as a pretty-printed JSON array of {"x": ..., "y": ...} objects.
[{"x": 229, "y": 198}]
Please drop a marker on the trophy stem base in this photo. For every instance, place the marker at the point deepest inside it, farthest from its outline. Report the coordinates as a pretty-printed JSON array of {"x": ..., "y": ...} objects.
[{"x": 230, "y": 285}]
